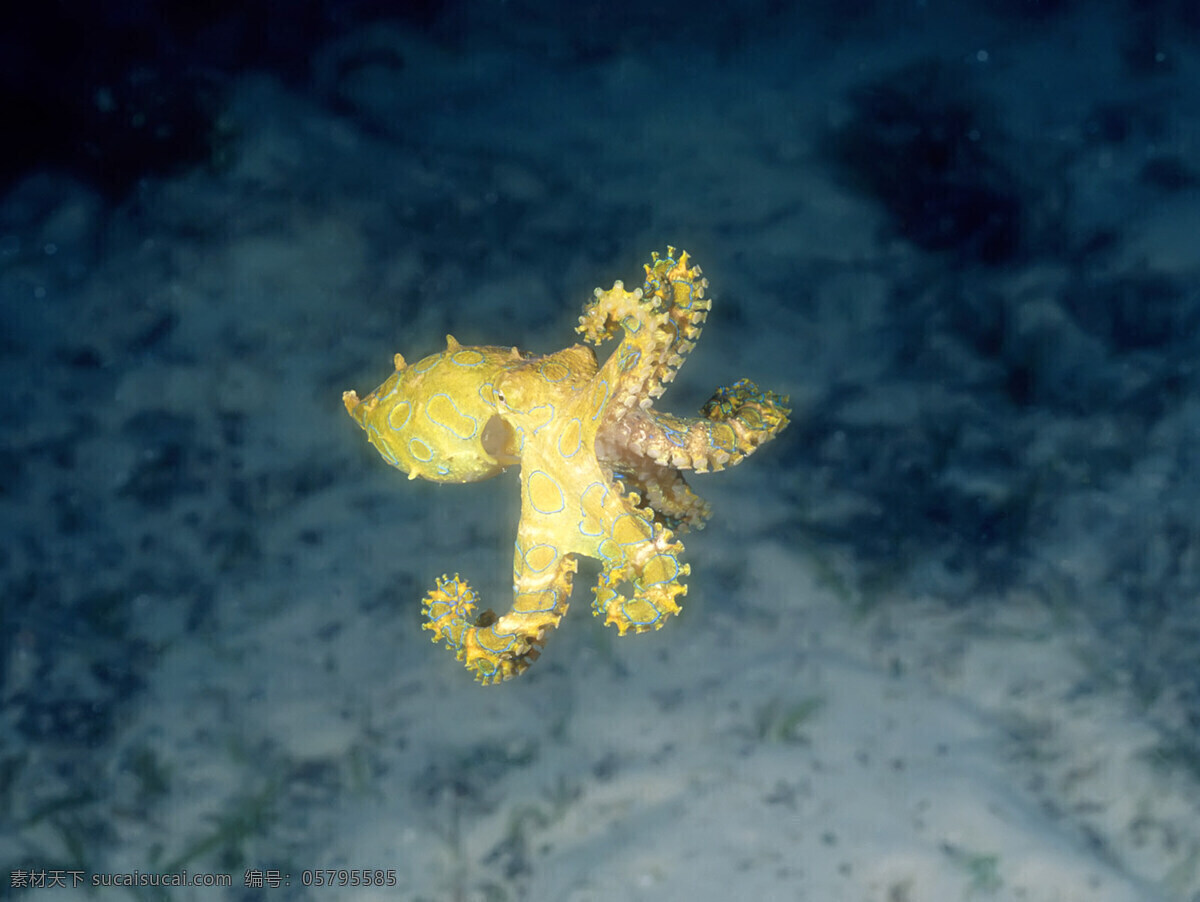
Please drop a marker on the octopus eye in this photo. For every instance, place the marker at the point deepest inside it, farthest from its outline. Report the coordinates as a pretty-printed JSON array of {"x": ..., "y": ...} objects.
[{"x": 498, "y": 395}]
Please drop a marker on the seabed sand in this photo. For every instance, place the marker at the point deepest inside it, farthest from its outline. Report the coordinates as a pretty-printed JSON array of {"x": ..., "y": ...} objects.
[{"x": 214, "y": 656}]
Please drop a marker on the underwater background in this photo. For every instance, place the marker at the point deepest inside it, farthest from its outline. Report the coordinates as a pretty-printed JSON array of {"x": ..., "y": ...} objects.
[{"x": 941, "y": 637}]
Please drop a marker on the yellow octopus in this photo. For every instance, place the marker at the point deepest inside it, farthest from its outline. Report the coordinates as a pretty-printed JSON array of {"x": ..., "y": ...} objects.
[{"x": 600, "y": 468}]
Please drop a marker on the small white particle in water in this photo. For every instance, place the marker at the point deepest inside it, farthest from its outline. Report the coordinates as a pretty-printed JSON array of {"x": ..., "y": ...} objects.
[{"x": 981, "y": 56}]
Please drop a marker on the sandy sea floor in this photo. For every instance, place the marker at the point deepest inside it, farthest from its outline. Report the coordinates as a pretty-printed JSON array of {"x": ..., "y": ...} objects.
[{"x": 940, "y": 637}]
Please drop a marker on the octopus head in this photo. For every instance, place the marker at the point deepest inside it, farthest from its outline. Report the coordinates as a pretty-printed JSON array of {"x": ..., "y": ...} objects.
[
  {"x": 437, "y": 419},
  {"x": 525, "y": 392}
]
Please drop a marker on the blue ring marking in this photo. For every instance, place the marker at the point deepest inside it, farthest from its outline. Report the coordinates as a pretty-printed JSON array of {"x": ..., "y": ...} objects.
[
  {"x": 658, "y": 615},
  {"x": 382, "y": 447},
  {"x": 448, "y": 427},
  {"x": 395, "y": 380},
  {"x": 576, "y": 441},
  {"x": 552, "y": 562},
  {"x": 666, "y": 579},
  {"x": 551, "y": 602},
  {"x": 673, "y": 435},
  {"x": 716, "y": 442},
  {"x": 673, "y": 324},
  {"x": 448, "y": 634},
  {"x": 584, "y": 516},
  {"x": 557, "y": 489},
  {"x": 690, "y": 291},
  {"x": 424, "y": 446},
  {"x": 550, "y": 370},
  {"x": 628, "y": 358},
  {"x": 604, "y": 596},
  {"x": 474, "y": 358},
  {"x": 399, "y": 427},
  {"x": 512, "y": 637},
  {"x": 642, "y": 537},
  {"x": 598, "y": 406},
  {"x": 424, "y": 366},
  {"x": 549, "y": 418},
  {"x": 610, "y": 551}
]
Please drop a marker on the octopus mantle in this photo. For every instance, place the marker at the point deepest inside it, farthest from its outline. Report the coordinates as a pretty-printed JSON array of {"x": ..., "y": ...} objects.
[{"x": 600, "y": 467}]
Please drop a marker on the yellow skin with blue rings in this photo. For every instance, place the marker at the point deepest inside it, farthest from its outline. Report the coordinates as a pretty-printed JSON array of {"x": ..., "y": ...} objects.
[{"x": 600, "y": 468}]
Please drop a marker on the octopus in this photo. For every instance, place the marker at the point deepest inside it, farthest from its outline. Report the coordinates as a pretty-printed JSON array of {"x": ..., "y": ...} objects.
[{"x": 601, "y": 470}]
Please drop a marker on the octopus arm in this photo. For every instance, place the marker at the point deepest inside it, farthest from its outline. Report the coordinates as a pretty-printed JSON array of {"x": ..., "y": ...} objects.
[
  {"x": 667, "y": 494},
  {"x": 551, "y": 533},
  {"x": 734, "y": 422},
  {"x": 661, "y": 322},
  {"x": 639, "y": 590},
  {"x": 499, "y": 647}
]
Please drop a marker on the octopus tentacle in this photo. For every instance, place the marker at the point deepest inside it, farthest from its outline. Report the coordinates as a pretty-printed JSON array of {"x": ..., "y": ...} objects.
[
  {"x": 654, "y": 574},
  {"x": 681, "y": 289},
  {"x": 667, "y": 493},
  {"x": 662, "y": 321},
  {"x": 734, "y": 422},
  {"x": 754, "y": 415},
  {"x": 454, "y": 618},
  {"x": 495, "y": 647}
]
